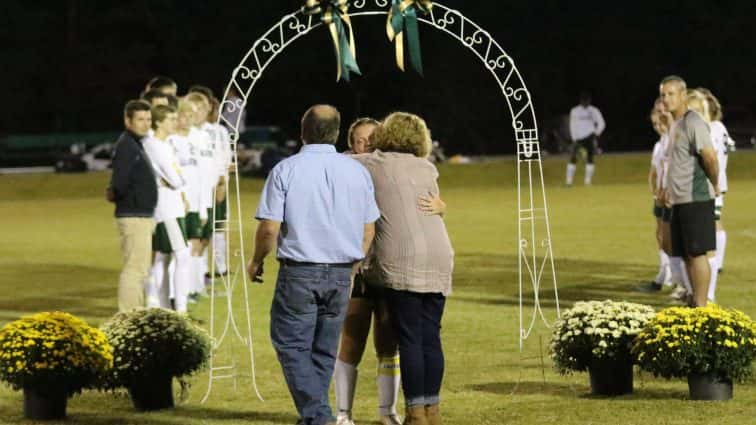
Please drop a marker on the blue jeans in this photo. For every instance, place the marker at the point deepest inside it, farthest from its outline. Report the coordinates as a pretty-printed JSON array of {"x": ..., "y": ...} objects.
[
  {"x": 416, "y": 319},
  {"x": 306, "y": 316}
]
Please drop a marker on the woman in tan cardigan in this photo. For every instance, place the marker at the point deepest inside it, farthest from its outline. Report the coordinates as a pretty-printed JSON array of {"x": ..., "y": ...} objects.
[{"x": 411, "y": 257}]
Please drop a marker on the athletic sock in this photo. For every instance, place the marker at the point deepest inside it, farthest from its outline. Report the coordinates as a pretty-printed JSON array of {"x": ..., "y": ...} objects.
[
  {"x": 200, "y": 283},
  {"x": 721, "y": 245},
  {"x": 663, "y": 277},
  {"x": 161, "y": 279},
  {"x": 182, "y": 278},
  {"x": 171, "y": 271},
  {"x": 679, "y": 273},
  {"x": 344, "y": 384},
  {"x": 389, "y": 380},
  {"x": 713, "y": 278},
  {"x": 571, "y": 172},
  {"x": 589, "y": 170},
  {"x": 219, "y": 251}
]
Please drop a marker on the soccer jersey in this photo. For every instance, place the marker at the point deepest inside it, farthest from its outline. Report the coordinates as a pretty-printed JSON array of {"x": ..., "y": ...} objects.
[
  {"x": 170, "y": 205},
  {"x": 721, "y": 141},
  {"x": 187, "y": 153},
  {"x": 207, "y": 169},
  {"x": 658, "y": 159},
  {"x": 220, "y": 141},
  {"x": 686, "y": 178},
  {"x": 585, "y": 121}
]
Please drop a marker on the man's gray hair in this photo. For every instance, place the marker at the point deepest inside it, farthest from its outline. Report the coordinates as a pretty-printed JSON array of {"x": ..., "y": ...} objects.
[{"x": 676, "y": 79}]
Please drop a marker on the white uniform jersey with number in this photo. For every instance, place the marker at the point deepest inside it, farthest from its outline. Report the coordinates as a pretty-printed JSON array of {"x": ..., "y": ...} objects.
[
  {"x": 207, "y": 170},
  {"x": 221, "y": 142},
  {"x": 187, "y": 153},
  {"x": 722, "y": 142},
  {"x": 170, "y": 178},
  {"x": 657, "y": 159}
]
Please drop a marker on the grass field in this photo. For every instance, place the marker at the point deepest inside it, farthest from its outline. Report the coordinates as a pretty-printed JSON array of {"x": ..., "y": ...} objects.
[{"x": 60, "y": 251}]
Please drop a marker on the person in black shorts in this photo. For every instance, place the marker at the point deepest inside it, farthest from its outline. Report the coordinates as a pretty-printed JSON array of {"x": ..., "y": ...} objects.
[
  {"x": 586, "y": 125},
  {"x": 692, "y": 184}
]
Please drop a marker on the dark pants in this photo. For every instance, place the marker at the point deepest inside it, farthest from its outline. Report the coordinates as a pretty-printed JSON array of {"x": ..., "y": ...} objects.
[
  {"x": 693, "y": 229},
  {"x": 588, "y": 144},
  {"x": 416, "y": 318},
  {"x": 308, "y": 310}
]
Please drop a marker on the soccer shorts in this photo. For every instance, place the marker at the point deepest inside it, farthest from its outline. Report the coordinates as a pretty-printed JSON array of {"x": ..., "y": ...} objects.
[
  {"x": 193, "y": 226},
  {"x": 169, "y": 236},
  {"x": 693, "y": 229}
]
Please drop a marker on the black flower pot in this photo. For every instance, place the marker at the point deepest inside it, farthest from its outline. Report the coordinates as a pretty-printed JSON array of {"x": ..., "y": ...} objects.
[
  {"x": 709, "y": 387},
  {"x": 611, "y": 376},
  {"x": 44, "y": 406},
  {"x": 152, "y": 393}
]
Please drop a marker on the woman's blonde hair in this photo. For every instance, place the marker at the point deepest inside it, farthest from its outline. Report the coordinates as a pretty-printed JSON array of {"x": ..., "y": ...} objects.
[
  {"x": 359, "y": 123},
  {"x": 715, "y": 108},
  {"x": 402, "y": 132},
  {"x": 697, "y": 102}
]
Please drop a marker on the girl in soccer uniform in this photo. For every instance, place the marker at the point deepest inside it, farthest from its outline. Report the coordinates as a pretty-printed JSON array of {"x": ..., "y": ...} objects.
[
  {"x": 170, "y": 238},
  {"x": 368, "y": 302},
  {"x": 208, "y": 181},
  {"x": 655, "y": 183},
  {"x": 724, "y": 144}
]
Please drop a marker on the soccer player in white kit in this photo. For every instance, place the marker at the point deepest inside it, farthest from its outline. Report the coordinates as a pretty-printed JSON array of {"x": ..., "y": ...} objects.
[
  {"x": 208, "y": 181},
  {"x": 655, "y": 176},
  {"x": 724, "y": 144},
  {"x": 221, "y": 143},
  {"x": 586, "y": 125},
  {"x": 170, "y": 237}
]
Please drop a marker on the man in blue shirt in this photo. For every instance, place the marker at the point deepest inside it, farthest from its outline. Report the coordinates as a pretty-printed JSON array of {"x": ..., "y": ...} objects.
[{"x": 320, "y": 207}]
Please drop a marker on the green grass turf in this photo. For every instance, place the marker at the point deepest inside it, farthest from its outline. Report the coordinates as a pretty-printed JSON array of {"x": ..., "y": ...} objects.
[{"x": 60, "y": 251}]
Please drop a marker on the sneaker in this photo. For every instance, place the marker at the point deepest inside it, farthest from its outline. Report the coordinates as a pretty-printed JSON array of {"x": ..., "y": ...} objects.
[
  {"x": 343, "y": 419},
  {"x": 651, "y": 287},
  {"x": 391, "y": 420},
  {"x": 679, "y": 294}
]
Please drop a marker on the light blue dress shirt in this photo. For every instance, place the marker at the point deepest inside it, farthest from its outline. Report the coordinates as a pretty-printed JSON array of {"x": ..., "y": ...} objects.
[{"x": 323, "y": 199}]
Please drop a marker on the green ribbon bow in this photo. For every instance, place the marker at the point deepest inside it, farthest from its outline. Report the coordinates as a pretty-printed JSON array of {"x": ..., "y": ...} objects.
[
  {"x": 402, "y": 18},
  {"x": 334, "y": 14}
]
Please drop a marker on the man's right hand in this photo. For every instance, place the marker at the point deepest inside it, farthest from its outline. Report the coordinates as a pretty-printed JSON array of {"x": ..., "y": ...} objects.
[{"x": 255, "y": 270}]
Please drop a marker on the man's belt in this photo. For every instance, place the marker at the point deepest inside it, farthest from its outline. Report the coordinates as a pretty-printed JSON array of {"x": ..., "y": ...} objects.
[{"x": 288, "y": 262}]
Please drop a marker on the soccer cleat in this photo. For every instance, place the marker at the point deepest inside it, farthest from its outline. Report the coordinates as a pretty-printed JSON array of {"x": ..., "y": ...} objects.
[
  {"x": 391, "y": 420},
  {"x": 651, "y": 287},
  {"x": 343, "y": 419},
  {"x": 679, "y": 294}
]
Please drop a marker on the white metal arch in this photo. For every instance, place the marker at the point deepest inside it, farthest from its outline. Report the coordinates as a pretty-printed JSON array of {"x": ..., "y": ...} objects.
[{"x": 535, "y": 251}]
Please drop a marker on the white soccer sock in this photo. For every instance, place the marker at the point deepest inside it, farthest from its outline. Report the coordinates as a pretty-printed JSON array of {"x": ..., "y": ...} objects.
[
  {"x": 589, "y": 170},
  {"x": 161, "y": 278},
  {"x": 171, "y": 273},
  {"x": 663, "y": 277},
  {"x": 344, "y": 384},
  {"x": 198, "y": 275},
  {"x": 571, "y": 172},
  {"x": 388, "y": 380},
  {"x": 713, "y": 278},
  {"x": 721, "y": 244},
  {"x": 219, "y": 251},
  {"x": 150, "y": 288},
  {"x": 200, "y": 284},
  {"x": 679, "y": 273},
  {"x": 182, "y": 278}
]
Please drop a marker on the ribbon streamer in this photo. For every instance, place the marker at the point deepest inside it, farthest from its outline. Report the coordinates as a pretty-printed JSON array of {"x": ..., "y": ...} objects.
[
  {"x": 402, "y": 18},
  {"x": 335, "y": 15}
]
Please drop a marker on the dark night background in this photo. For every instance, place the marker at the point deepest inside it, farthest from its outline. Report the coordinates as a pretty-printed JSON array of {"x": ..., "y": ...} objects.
[{"x": 69, "y": 65}]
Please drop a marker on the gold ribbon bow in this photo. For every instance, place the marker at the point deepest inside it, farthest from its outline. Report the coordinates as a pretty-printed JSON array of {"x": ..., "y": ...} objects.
[
  {"x": 335, "y": 14},
  {"x": 402, "y": 17}
]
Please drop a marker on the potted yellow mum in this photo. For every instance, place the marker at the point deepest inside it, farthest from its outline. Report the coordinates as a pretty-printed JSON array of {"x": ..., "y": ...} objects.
[
  {"x": 51, "y": 356},
  {"x": 710, "y": 346}
]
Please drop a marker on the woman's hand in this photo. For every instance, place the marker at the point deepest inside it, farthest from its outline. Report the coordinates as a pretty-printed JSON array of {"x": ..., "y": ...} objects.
[{"x": 431, "y": 204}]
